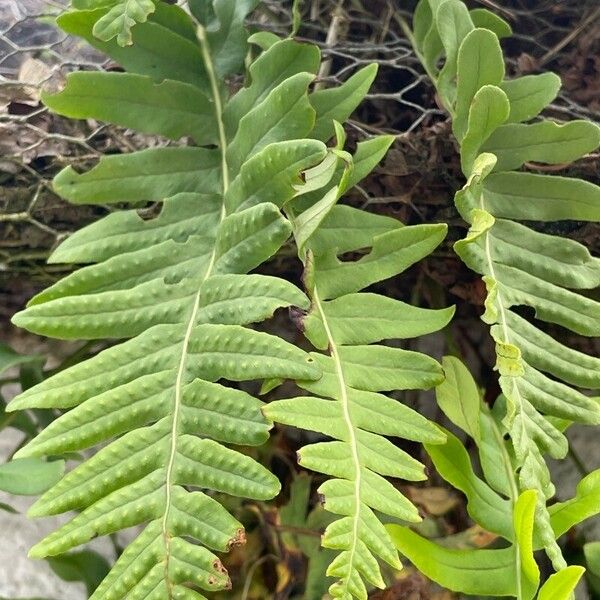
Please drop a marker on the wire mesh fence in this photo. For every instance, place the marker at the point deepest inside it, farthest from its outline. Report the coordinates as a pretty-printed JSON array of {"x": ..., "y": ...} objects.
[{"x": 34, "y": 145}]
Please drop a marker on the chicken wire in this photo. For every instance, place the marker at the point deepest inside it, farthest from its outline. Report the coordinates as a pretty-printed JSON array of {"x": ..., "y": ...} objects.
[{"x": 34, "y": 145}]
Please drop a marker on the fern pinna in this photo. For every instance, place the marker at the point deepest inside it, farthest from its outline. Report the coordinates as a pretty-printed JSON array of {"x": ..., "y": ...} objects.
[
  {"x": 177, "y": 286},
  {"x": 541, "y": 379},
  {"x": 345, "y": 325}
]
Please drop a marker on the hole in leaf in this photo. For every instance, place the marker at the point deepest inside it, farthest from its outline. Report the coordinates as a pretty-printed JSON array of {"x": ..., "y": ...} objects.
[{"x": 150, "y": 212}]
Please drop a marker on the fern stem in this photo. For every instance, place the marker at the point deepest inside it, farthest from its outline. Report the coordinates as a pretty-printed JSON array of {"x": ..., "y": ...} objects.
[
  {"x": 196, "y": 306},
  {"x": 499, "y": 303},
  {"x": 351, "y": 432},
  {"x": 502, "y": 314},
  {"x": 174, "y": 435},
  {"x": 556, "y": 558},
  {"x": 514, "y": 495},
  {"x": 214, "y": 87}
]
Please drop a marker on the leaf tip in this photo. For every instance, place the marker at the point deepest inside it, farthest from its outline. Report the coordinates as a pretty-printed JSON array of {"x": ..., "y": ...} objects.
[{"x": 38, "y": 551}]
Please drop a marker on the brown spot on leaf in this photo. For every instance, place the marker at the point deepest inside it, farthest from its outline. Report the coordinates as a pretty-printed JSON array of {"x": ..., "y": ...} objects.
[{"x": 238, "y": 540}]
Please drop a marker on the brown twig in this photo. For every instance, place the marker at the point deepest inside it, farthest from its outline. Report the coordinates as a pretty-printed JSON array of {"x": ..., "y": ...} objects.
[
  {"x": 497, "y": 7},
  {"x": 337, "y": 17},
  {"x": 591, "y": 18}
]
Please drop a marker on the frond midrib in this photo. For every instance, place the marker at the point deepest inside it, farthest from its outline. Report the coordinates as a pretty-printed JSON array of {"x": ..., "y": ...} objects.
[
  {"x": 352, "y": 439},
  {"x": 177, "y": 401}
]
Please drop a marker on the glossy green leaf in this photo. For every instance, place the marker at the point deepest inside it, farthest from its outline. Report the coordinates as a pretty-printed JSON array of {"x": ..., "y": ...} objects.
[
  {"x": 509, "y": 571},
  {"x": 422, "y": 22},
  {"x": 529, "y": 95},
  {"x": 368, "y": 155},
  {"x": 176, "y": 286},
  {"x": 284, "y": 114},
  {"x": 533, "y": 197},
  {"x": 520, "y": 266},
  {"x": 146, "y": 175},
  {"x": 428, "y": 38},
  {"x": 338, "y": 103},
  {"x": 458, "y": 397},
  {"x": 561, "y": 585},
  {"x": 489, "y": 109},
  {"x": 391, "y": 251},
  {"x": 263, "y": 39},
  {"x": 170, "y": 108},
  {"x": 523, "y": 519},
  {"x": 485, "y": 506},
  {"x": 282, "y": 60},
  {"x": 227, "y": 36},
  {"x": 453, "y": 23},
  {"x": 476, "y": 572},
  {"x": 307, "y": 223},
  {"x": 347, "y": 228},
  {"x": 585, "y": 504},
  {"x": 388, "y": 318},
  {"x": 347, "y": 404},
  {"x": 545, "y": 142},
  {"x": 486, "y": 19},
  {"x": 163, "y": 47},
  {"x": 480, "y": 63},
  {"x": 271, "y": 175},
  {"x": 494, "y": 456}
]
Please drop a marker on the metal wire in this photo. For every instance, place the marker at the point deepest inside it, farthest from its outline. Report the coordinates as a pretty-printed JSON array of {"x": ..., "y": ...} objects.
[
  {"x": 34, "y": 54},
  {"x": 34, "y": 145}
]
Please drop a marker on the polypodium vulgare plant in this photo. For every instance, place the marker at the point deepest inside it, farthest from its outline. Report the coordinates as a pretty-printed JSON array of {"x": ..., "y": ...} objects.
[{"x": 174, "y": 297}]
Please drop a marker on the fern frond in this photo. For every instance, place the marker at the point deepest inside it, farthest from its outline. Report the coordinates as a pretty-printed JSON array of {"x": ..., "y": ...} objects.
[
  {"x": 176, "y": 288},
  {"x": 539, "y": 376},
  {"x": 495, "y": 504},
  {"x": 348, "y": 406}
]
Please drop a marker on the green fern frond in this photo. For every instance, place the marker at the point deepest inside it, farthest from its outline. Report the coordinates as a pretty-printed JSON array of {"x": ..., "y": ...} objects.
[
  {"x": 539, "y": 376},
  {"x": 495, "y": 504},
  {"x": 348, "y": 406},
  {"x": 176, "y": 289}
]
